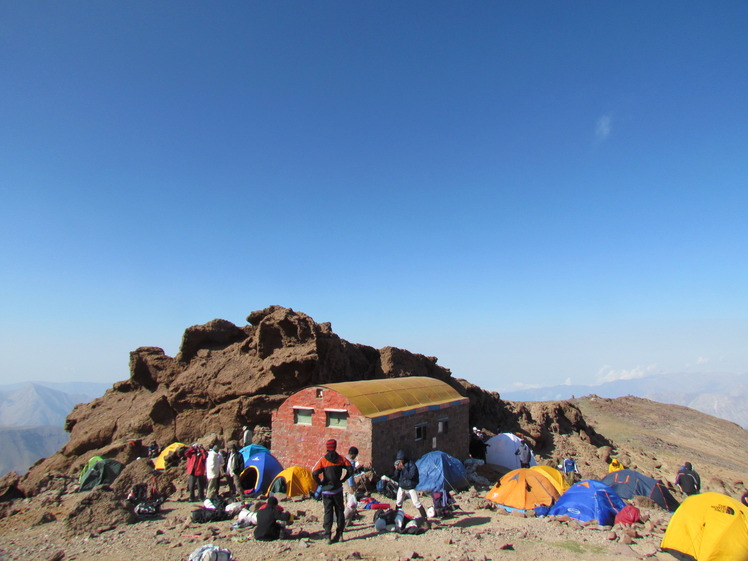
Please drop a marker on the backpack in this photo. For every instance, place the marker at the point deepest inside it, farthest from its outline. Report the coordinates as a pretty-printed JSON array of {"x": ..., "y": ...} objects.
[
  {"x": 210, "y": 552},
  {"x": 388, "y": 488},
  {"x": 138, "y": 493},
  {"x": 444, "y": 503}
]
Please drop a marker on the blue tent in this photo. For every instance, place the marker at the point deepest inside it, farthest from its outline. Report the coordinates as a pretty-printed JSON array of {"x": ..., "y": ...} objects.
[
  {"x": 438, "y": 470},
  {"x": 589, "y": 500},
  {"x": 259, "y": 471},
  {"x": 248, "y": 451},
  {"x": 628, "y": 483}
]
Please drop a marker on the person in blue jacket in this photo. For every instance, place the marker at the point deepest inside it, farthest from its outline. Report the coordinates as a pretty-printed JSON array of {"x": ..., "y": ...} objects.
[{"x": 406, "y": 476}]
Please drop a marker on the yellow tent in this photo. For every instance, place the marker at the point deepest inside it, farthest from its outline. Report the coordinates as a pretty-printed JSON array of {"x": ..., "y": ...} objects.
[
  {"x": 293, "y": 481},
  {"x": 523, "y": 489},
  {"x": 708, "y": 527},
  {"x": 160, "y": 461},
  {"x": 556, "y": 478}
]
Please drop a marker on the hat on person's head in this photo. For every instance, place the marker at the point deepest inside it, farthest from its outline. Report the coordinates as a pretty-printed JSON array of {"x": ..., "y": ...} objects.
[
  {"x": 475, "y": 429},
  {"x": 353, "y": 451},
  {"x": 400, "y": 455},
  {"x": 332, "y": 445},
  {"x": 272, "y": 501},
  {"x": 687, "y": 465}
]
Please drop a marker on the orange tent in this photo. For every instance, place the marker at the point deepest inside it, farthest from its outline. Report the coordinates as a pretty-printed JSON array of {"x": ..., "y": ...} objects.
[
  {"x": 523, "y": 489},
  {"x": 556, "y": 478}
]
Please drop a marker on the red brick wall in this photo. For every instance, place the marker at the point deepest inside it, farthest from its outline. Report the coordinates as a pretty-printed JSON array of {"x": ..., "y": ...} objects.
[{"x": 303, "y": 445}]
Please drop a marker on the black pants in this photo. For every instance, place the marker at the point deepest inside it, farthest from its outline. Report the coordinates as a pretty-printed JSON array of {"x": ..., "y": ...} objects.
[
  {"x": 192, "y": 480},
  {"x": 333, "y": 507}
]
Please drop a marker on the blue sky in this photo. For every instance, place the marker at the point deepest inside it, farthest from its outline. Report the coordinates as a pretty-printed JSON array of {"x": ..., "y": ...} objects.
[{"x": 534, "y": 192}]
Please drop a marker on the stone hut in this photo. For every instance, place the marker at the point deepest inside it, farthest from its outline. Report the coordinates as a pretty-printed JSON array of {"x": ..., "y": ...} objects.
[{"x": 416, "y": 414}]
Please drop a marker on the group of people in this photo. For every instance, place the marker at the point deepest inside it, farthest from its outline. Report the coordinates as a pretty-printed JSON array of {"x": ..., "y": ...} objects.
[{"x": 206, "y": 470}]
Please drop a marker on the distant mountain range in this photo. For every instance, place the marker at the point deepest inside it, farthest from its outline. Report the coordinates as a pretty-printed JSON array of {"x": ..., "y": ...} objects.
[
  {"x": 32, "y": 416},
  {"x": 721, "y": 395}
]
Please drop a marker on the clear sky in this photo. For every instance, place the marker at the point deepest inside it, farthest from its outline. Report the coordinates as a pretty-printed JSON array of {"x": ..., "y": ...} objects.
[{"x": 534, "y": 192}]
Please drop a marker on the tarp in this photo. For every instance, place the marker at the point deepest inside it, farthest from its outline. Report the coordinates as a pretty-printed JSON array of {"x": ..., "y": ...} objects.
[
  {"x": 160, "y": 461},
  {"x": 556, "y": 478},
  {"x": 259, "y": 471},
  {"x": 523, "y": 489},
  {"x": 629, "y": 483},
  {"x": 250, "y": 450},
  {"x": 708, "y": 527},
  {"x": 438, "y": 470},
  {"x": 589, "y": 500},
  {"x": 102, "y": 472},
  {"x": 502, "y": 451},
  {"x": 293, "y": 481}
]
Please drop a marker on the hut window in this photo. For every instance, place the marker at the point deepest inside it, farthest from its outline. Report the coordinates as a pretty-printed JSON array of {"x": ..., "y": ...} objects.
[
  {"x": 443, "y": 426},
  {"x": 421, "y": 431},
  {"x": 319, "y": 392},
  {"x": 336, "y": 419},
  {"x": 302, "y": 416}
]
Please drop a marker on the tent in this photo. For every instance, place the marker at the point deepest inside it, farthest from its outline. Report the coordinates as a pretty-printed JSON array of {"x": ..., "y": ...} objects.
[
  {"x": 629, "y": 483},
  {"x": 103, "y": 472},
  {"x": 160, "y": 461},
  {"x": 589, "y": 500},
  {"x": 502, "y": 451},
  {"x": 523, "y": 489},
  {"x": 250, "y": 450},
  {"x": 556, "y": 478},
  {"x": 259, "y": 471},
  {"x": 708, "y": 527},
  {"x": 293, "y": 481},
  {"x": 438, "y": 471},
  {"x": 91, "y": 463}
]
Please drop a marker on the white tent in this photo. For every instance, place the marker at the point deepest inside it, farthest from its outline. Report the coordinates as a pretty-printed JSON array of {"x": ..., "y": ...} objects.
[{"x": 502, "y": 451}]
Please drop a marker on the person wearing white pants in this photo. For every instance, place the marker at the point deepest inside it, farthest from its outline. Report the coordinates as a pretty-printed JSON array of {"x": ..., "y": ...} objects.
[{"x": 406, "y": 475}]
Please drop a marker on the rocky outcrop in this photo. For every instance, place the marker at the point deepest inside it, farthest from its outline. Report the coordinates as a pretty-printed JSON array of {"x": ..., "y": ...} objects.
[{"x": 226, "y": 376}]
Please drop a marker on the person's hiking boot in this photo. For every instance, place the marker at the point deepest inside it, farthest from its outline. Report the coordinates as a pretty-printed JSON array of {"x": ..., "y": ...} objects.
[
  {"x": 338, "y": 537},
  {"x": 422, "y": 512},
  {"x": 327, "y": 538}
]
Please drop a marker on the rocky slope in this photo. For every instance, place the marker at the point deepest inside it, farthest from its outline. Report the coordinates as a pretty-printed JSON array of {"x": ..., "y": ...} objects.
[{"x": 226, "y": 376}]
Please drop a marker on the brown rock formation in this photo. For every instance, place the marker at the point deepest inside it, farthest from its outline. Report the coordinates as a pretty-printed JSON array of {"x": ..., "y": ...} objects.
[{"x": 226, "y": 376}]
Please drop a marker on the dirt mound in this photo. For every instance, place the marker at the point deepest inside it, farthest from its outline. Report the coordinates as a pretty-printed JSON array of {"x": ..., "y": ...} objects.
[
  {"x": 162, "y": 482},
  {"x": 97, "y": 511},
  {"x": 227, "y": 376}
]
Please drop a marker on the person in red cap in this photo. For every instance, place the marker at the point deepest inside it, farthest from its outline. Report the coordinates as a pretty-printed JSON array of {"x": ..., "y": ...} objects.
[{"x": 330, "y": 472}]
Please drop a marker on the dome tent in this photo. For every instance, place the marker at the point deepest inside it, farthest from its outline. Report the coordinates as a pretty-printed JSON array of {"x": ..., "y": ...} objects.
[
  {"x": 259, "y": 472},
  {"x": 556, "y": 478},
  {"x": 523, "y": 489},
  {"x": 629, "y": 483},
  {"x": 160, "y": 461},
  {"x": 589, "y": 500},
  {"x": 293, "y": 481},
  {"x": 103, "y": 472},
  {"x": 438, "y": 471},
  {"x": 502, "y": 451},
  {"x": 251, "y": 449},
  {"x": 708, "y": 527}
]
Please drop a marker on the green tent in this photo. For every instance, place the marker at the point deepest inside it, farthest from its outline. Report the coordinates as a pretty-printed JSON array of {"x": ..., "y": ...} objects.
[
  {"x": 91, "y": 463},
  {"x": 102, "y": 472}
]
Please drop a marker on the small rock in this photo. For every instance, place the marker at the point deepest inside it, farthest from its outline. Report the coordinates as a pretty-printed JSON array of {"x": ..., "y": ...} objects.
[
  {"x": 626, "y": 539},
  {"x": 354, "y": 555},
  {"x": 623, "y": 549},
  {"x": 507, "y": 547},
  {"x": 58, "y": 555}
]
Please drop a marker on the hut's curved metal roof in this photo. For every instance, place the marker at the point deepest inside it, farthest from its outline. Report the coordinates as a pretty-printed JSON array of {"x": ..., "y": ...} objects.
[{"x": 375, "y": 398}]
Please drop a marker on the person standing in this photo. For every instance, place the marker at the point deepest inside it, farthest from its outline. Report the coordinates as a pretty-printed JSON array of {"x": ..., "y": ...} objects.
[
  {"x": 330, "y": 472},
  {"x": 214, "y": 470},
  {"x": 688, "y": 480},
  {"x": 524, "y": 453},
  {"x": 406, "y": 475},
  {"x": 570, "y": 468},
  {"x": 234, "y": 469},
  {"x": 196, "y": 457},
  {"x": 247, "y": 435}
]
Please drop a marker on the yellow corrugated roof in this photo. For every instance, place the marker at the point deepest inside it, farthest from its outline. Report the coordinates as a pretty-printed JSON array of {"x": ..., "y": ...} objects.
[{"x": 383, "y": 396}]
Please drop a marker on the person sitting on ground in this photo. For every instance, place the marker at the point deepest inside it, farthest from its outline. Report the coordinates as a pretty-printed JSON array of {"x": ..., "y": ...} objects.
[
  {"x": 271, "y": 521},
  {"x": 406, "y": 476},
  {"x": 687, "y": 480},
  {"x": 615, "y": 465}
]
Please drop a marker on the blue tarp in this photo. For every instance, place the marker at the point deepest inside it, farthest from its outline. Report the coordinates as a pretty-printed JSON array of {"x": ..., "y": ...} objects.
[
  {"x": 628, "y": 483},
  {"x": 589, "y": 500},
  {"x": 438, "y": 470},
  {"x": 259, "y": 472}
]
